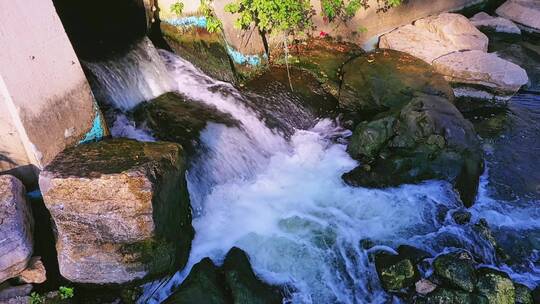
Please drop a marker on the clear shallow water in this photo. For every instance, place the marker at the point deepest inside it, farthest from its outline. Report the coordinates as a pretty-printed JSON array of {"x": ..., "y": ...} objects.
[{"x": 282, "y": 200}]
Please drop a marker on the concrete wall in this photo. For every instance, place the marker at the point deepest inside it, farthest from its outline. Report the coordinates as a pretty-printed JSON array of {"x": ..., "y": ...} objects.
[{"x": 45, "y": 101}]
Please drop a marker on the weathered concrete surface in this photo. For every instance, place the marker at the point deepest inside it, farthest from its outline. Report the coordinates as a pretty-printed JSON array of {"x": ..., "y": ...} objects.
[
  {"x": 45, "y": 101},
  {"x": 121, "y": 210},
  {"x": 16, "y": 228}
]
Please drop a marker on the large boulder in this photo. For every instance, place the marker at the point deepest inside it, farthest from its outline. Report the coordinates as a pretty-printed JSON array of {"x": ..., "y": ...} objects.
[
  {"x": 481, "y": 75},
  {"x": 524, "y": 12},
  {"x": 121, "y": 210},
  {"x": 234, "y": 282},
  {"x": 386, "y": 79},
  {"x": 172, "y": 117},
  {"x": 484, "y": 21},
  {"x": 427, "y": 139},
  {"x": 436, "y": 36},
  {"x": 452, "y": 296},
  {"x": 16, "y": 228}
]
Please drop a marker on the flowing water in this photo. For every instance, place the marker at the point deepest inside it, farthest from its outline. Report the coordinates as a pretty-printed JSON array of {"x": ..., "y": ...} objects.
[{"x": 279, "y": 195}]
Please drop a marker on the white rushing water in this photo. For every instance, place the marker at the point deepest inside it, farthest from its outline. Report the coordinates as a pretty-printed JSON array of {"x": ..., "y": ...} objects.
[{"x": 284, "y": 203}]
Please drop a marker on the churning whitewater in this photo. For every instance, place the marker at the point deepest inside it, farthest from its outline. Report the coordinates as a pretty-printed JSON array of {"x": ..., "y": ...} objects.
[{"x": 282, "y": 199}]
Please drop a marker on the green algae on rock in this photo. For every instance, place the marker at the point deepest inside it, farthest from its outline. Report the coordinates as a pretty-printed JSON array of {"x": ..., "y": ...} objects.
[
  {"x": 456, "y": 269},
  {"x": 395, "y": 272},
  {"x": 384, "y": 80},
  {"x": 496, "y": 286},
  {"x": 121, "y": 210},
  {"x": 426, "y": 139},
  {"x": 207, "y": 51}
]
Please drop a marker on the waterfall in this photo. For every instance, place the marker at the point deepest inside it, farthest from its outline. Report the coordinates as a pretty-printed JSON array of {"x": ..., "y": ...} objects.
[
  {"x": 282, "y": 200},
  {"x": 126, "y": 81}
]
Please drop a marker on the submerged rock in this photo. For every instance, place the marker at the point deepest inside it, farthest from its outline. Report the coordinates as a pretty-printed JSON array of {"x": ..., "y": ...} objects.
[
  {"x": 427, "y": 139},
  {"x": 481, "y": 75},
  {"x": 496, "y": 286},
  {"x": 207, "y": 51},
  {"x": 395, "y": 272},
  {"x": 16, "y": 228},
  {"x": 456, "y": 269},
  {"x": 498, "y": 24},
  {"x": 171, "y": 117},
  {"x": 386, "y": 79},
  {"x": 435, "y": 36},
  {"x": 461, "y": 217},
  {"x": 121, "y": 210},
  {"x": 234, "y": 282},
  {"x": 204, "y": 284},
  {"x": 524, "y": 12}
]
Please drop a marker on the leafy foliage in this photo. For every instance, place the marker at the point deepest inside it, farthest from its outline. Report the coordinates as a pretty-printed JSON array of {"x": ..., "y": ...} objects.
[
  {"x": 36, "y": 298},
  {"x": 213, "y": 24},
  {"x": 177, "y": 8},
  {"x": 66, "y": 292},
  {"x": 272, "y": 15},
  {"x": 344, "y": 10}
]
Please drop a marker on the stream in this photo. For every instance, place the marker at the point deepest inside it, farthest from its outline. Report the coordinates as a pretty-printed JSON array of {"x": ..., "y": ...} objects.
[{"x": 277, "y": 192}]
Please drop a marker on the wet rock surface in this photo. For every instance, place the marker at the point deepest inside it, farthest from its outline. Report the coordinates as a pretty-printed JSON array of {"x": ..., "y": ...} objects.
[
  {"x": 16, "y": 228},
  {"x": 384, "y": 80},
  {"x": 427, "y": 139},
  {"x": 234, "y": 282},
  {"x": 171, "y": 117},
  {"x": 456, "y": 269},
  {"x": 496, "y": 286},
  {"x": 121, "y": 210},
  {"x": 395, "y": 272}
]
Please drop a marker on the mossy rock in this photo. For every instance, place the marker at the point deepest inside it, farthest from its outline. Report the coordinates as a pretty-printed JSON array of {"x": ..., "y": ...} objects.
[
  {"x": 523, "y": 294},
  {"x": 428, "y": 138},
  {"x": 383, "y": 80},
  {"x": 452, "y": 296},
  {"x": 395, "y": 272},
  {"x": 306, "y": 90},
  {"x": 205, "y": 50},
  {"x": 457, "y": 270},
  {"x": 204, "y": 285},
  {"x": 244, "y": 285},
  {"x": 323, "y": 58},
  {"x": 172, "y": 117},
  {"x": 496, "y": 286}
]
